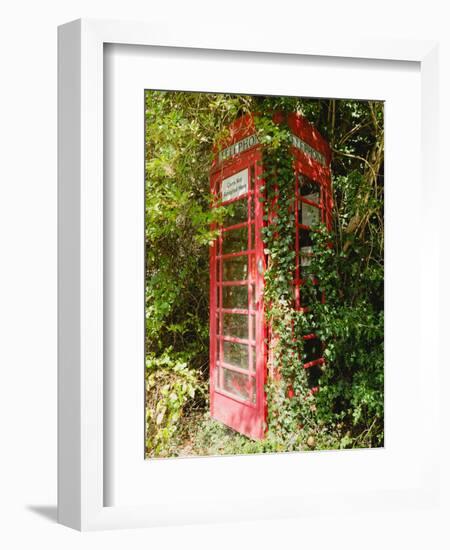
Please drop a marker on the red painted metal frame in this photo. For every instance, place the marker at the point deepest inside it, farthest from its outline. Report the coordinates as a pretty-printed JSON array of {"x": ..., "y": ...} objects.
[{"x": 246, "y": 415}]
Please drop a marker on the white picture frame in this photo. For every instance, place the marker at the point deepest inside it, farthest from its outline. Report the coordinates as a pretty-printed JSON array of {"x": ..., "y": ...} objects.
[{"x": 82, "y": 484}]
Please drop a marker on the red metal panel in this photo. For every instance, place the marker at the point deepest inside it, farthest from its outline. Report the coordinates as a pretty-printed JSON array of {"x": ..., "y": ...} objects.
[
  {"x": 319, "y": 173},
  {"x": 261, "y": 332},
  {"x": 238, "y": 415},
  {"x": 319, "y": 361},
  {"x": 302, "y": 128}
]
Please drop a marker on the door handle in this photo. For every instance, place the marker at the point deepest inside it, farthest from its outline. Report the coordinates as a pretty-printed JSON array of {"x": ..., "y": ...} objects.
[{"x": 260, "y": 267}]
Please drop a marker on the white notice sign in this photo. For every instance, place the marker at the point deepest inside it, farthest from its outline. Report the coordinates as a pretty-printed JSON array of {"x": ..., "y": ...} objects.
[{"x": 235, "y": 186}]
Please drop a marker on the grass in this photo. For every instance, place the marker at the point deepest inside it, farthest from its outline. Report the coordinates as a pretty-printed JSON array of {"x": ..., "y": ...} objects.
[{"x": 200, "y": 435}]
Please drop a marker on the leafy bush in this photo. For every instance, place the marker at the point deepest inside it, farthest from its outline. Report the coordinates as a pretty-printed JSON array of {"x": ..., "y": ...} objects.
[
  {"x": 351, "y": 324},
  {"x": 171, "y": 388},
  {"x": 348, "y": 264}
]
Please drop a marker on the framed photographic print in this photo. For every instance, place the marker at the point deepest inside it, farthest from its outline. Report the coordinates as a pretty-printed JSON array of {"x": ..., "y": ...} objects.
[
  {"x": 268, "y": 304},
  {"x": 236, "y": 274}
]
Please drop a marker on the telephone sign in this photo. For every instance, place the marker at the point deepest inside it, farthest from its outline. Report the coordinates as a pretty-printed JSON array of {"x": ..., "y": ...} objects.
[{"x": 235, "y": 185}]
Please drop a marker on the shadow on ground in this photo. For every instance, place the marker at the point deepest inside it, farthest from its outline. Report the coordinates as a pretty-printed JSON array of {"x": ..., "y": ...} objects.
[{"x": 47, "y": 512}]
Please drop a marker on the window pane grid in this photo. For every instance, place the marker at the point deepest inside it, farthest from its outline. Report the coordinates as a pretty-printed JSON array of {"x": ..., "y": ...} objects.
[
  {"x": 235, "y": 255},
  {"x": 309, "y": 210},
  {"x": 236, "y": 226},
  {"x": 236, "y": 339}
]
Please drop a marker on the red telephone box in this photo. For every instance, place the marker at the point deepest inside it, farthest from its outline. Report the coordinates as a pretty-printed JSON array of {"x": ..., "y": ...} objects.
[{"x": 238, "y": 350}]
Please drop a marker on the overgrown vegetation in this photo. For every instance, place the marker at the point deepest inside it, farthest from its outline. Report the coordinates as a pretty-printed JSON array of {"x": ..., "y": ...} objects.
[{"x": 181, "y": 129}]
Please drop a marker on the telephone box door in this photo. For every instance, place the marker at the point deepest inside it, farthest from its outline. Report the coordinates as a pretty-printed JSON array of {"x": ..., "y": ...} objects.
[{"x": 237, "y": 349}]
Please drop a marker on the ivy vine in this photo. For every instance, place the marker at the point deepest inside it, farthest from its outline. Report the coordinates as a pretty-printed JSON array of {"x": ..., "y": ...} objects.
[{"x": 290, "y": 400}]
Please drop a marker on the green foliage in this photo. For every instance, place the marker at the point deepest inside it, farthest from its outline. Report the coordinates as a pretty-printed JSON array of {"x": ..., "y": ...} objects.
[
  {"x": 351, "y": 324},
  {"x": 170, "y": 387},
  {"x": 348, "y": 263},
  {"x": 180, "y": 133},
  {"x": 289, "y": 417}
]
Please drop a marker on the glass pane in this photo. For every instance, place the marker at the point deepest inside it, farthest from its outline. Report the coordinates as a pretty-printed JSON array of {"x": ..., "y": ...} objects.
[
  {"x": 237, "y": 383},
  {"x": 305, "y": 261},
  {"x": 308, "y": 186},
  {"x": 253, "y": 359},
  {"x": 235, "y": 240},
  {"x": 308, "y": 214},
  {"x": 237, "y": 212},
  {"x": 216, "y": 190},
  {"x": 235, "y": 354},
  {"x": 217, "y": 376},
  {"x": 305, "y": 237},
  {"x": 313, "y": 197},
  {"x": 312, "y": 349},
  {"x": 235, "y": 324},
  {"x": 235, "y": 269},
  {"x": 305, "y": 296},
  {"x": 217, "y": 270},
  {"x": 253, "y": 327},
  {"x": 309, "y": 292},
  {"x": 314, "y": 374},
  {"x": 305, "y": 255},
  {"x": 217, "y": 349},
  {"x": 235, "y": 297},
  {"x": 305, "y": 273}
]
